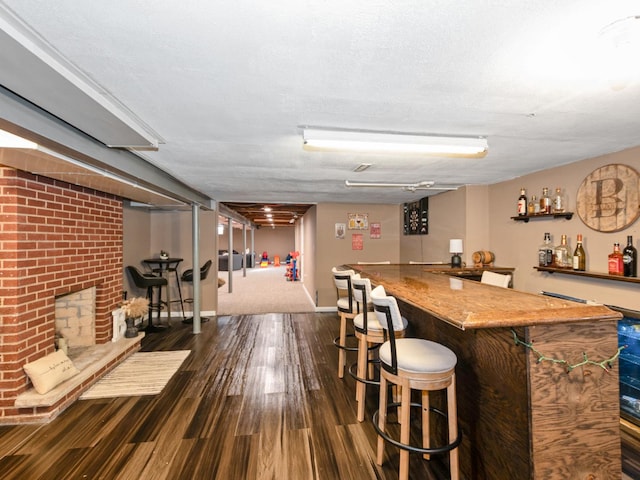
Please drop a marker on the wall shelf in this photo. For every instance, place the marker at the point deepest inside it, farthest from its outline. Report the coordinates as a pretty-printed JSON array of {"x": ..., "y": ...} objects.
[
  {"x": 603, "y": 276},
  {"x": 526, "y": 218}
]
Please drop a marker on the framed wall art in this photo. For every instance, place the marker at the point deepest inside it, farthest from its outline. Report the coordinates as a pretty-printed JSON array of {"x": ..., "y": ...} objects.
[
  {"x": 375, "y": 231},
  {"x": 357, "y": 241},
  {"x": 358, "y": 221},
  {"x": 608, "y": 198}
]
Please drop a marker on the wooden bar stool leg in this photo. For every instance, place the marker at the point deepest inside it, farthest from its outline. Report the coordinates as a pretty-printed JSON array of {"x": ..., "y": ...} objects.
[
  {"x": 382, "y": 417},
  {"x": 371, "y": 357},
  {"x": 342, "y": 357},
  {"x": 452, "y": 413},
  {"x": 426, "y": 442},
  {"x": 361, "y": 388},
  {"x": 405, "y": 430}
]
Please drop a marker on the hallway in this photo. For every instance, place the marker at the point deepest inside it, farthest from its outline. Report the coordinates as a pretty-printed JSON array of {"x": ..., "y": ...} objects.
[{"x": 263, "y": 290}]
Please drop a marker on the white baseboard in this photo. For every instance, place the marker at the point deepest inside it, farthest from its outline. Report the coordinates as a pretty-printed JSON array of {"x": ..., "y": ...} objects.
[{"x": 326, "y": 309}]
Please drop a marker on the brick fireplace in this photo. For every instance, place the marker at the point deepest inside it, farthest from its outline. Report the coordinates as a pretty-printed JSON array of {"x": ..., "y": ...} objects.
[{"x": 56, "y": 238}]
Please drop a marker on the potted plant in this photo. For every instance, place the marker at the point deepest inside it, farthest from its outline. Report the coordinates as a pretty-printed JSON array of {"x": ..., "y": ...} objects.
[{"x": 134, "y": 308}]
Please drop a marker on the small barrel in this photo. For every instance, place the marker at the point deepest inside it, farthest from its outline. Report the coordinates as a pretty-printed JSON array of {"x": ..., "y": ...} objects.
[{"x": 483, "y": 257}]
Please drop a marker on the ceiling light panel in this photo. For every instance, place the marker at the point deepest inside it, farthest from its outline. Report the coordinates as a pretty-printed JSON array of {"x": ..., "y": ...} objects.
[{"x": 380, "y": 142}]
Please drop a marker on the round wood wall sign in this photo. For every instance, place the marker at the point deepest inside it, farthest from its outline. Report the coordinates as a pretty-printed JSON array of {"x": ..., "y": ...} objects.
[{"x": 608, "y": 199}]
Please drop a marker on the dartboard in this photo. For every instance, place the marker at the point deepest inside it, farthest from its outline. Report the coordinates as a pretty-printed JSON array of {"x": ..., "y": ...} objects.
[{"x": 414, "y": 219}]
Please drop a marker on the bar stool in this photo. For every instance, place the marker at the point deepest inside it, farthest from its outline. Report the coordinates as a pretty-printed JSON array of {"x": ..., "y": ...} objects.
[
  {"x": 347, "y": 309},
  {"x": 150, "y": 281},
  {"x": 370, "y": 335},
  {"x": 413, "y": 363},
  {"x": 187, "y": 276}
]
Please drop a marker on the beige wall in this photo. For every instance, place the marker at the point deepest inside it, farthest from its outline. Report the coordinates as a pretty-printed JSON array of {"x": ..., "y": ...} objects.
[
  {"x": 275, "y": 241},
  {"x": 147, "y": 232},
  {"x": 516, "y": 243},
  {"x": 136, "y": 244},
  {"x": 330, "y": 251},
  {"x": 481, "y": 217},
  {"x": 457, "y": 214},
  {"x": 447, "y": 219}
]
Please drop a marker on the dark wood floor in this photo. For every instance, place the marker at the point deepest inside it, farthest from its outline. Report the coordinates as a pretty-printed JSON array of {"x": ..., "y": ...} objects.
[{"x": 258, "y": 398}]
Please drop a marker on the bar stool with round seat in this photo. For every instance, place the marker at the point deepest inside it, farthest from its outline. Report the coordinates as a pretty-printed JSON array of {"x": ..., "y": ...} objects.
[
  {"x": 187, "y": 276},
  {"x": 149, "y": 282},
  {"x": 370, "y": 335},
  {"x": 347, "y": 310},
  {"x": 413, "y": 363}
]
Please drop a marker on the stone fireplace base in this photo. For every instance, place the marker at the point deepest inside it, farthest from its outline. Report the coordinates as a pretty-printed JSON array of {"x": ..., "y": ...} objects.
[{"x": 93, "y": 363}]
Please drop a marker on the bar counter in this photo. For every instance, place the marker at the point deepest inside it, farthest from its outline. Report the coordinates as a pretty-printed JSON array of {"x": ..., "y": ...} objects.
[{"x": 534, "y": 401}]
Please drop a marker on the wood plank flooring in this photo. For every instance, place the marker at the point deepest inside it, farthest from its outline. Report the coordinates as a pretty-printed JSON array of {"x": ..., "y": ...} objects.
[{"x": 258, "y": 398}]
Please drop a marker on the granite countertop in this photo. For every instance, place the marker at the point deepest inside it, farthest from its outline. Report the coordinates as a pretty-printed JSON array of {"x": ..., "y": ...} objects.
[{"x": 467, "y": 304}]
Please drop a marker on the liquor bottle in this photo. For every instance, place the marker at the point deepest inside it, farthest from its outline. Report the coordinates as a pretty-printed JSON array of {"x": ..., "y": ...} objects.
[
  {"x": 533, "y": 206},
  {"x": 561, "y": 254},
  {"x": 615, "y": 261},
  {"x": 545, "y": 252},
  {"x": 630, "y": 259},
  {"x": 545, "y": 201},
  {"x": 579, "y": 257},
  {"x": 558, "y": 201},
  {"x": 522, "y": 203}
]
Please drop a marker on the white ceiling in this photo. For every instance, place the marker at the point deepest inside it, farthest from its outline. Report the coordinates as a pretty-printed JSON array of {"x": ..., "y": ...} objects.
[{"x": 225, "y": 86}]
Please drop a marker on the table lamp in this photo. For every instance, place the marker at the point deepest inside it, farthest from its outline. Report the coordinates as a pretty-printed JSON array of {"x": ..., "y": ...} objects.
[{"x": 455, "y": 247}]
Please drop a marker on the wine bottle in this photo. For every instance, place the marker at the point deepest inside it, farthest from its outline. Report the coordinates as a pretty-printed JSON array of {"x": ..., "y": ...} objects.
[
  {"x": 630, "y": 259},
  {"x": 579, "y": 256},
  {"x": 522, "y": 202},
  {"x": 561, "y": 253},
  {"x": 615, "y": 261},
  {"x": 545, "y": 202},
  {"x": 545, "y": 252}
]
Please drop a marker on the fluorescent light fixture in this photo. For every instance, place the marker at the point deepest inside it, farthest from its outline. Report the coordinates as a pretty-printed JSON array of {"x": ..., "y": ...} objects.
[
  {"x": 9, "y": 140},
  {"x": 383, "y": 142}
]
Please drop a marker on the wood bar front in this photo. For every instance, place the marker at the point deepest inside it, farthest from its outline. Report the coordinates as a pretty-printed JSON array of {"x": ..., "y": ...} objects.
[{"x": 522, "y": 417}]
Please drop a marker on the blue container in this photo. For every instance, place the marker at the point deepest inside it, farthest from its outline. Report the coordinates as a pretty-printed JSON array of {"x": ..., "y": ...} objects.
[{"x": 629, "y": 335}]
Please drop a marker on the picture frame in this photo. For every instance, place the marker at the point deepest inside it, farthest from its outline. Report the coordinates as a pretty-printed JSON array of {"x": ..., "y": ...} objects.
[{"x": 358, "y": 221}]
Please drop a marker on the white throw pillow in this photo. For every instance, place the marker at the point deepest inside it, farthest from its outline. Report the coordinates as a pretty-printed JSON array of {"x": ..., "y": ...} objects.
[{"x": 48, "y": 372}]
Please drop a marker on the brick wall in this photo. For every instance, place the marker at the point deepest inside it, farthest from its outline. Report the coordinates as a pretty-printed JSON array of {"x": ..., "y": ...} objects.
[{"x": 55, "y": 238}]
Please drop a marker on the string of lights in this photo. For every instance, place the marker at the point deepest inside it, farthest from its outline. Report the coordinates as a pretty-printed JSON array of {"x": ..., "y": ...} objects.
[{"x": 606, "y": 365}]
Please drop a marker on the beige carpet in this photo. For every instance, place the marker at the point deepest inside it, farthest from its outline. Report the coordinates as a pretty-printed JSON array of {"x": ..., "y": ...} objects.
[
  {"x": 263, "y": 290},
  {"x": 143, "y": 373}
]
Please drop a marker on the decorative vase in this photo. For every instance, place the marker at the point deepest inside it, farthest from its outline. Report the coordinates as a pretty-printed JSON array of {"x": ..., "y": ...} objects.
[{"x": 132, "y": 330}]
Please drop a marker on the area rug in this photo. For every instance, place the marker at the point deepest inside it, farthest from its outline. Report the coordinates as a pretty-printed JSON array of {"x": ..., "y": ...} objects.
[{"x": 143, "y": 373}]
